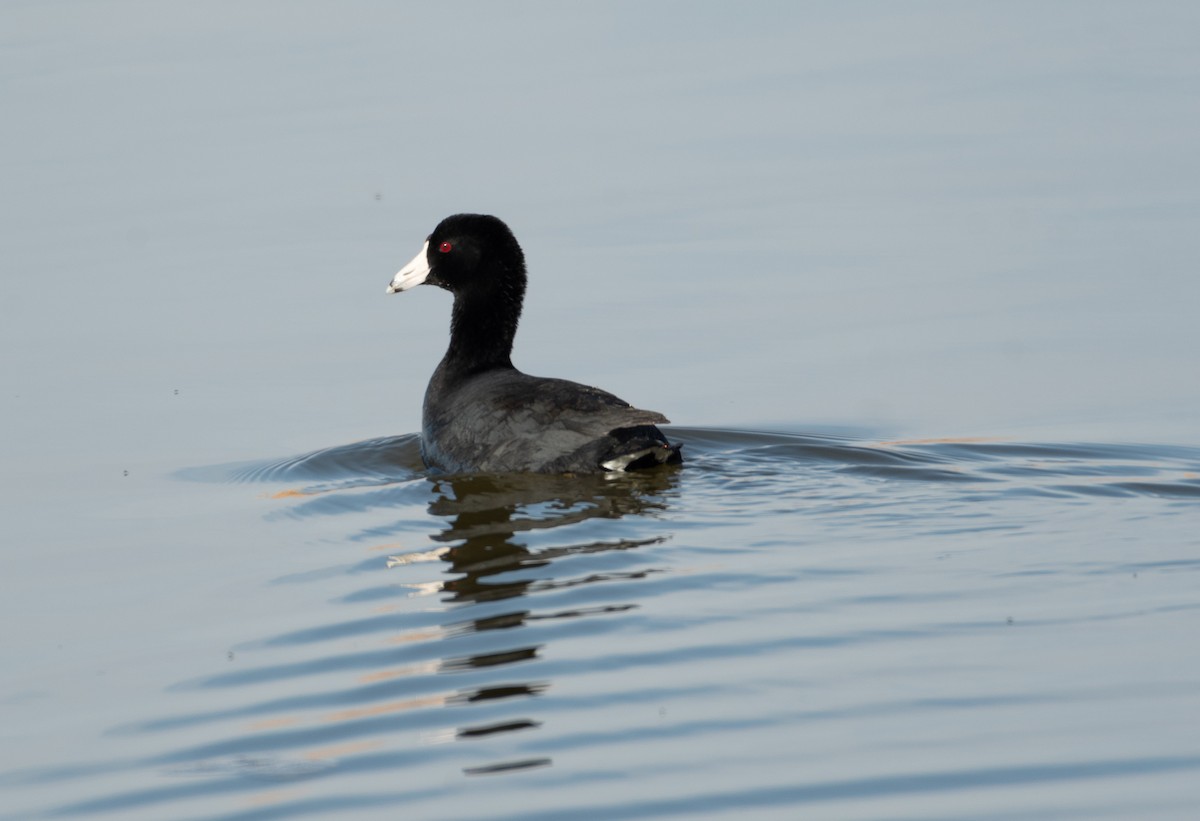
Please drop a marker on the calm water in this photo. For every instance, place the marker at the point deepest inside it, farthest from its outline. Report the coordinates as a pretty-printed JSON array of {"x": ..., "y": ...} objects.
[
  {"x": 917, "y": 282},
  {"x": 787, "y": 626}
]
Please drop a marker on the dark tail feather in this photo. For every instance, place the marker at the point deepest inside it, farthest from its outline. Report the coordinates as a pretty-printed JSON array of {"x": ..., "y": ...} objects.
[
  {"x": 643, "y": 447},
  {"x": 653, "y": 457}
]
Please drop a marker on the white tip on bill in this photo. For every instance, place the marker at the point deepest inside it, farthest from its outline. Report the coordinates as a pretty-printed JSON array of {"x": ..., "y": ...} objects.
[{"x": 414, "y": 273}]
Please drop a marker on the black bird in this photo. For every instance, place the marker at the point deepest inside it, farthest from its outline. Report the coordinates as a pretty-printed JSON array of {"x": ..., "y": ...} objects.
[{"x": 481, "y": 414}]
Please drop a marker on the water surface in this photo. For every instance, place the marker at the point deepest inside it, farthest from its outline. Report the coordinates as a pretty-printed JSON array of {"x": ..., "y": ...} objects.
[
  {"x": 788, "y": 624},
  {"x": 946, "y": 252}
]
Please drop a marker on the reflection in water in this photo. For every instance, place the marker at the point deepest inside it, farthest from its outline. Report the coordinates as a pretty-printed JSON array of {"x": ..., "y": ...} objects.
[
  {"x": 486, "y": 515},
  {"x": 530, "y": 627},
  {"x": 487, "y": 518},
  {"x": 498, "y": 540}
]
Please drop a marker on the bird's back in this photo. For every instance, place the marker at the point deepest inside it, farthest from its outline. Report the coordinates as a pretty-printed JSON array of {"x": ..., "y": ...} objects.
[{"x": 507, "y": 421}]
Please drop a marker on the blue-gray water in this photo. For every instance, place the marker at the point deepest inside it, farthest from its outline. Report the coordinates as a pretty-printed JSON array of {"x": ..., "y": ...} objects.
[
  {"x": 787, "y": 624},
  {"x": 916, "y": 283}
]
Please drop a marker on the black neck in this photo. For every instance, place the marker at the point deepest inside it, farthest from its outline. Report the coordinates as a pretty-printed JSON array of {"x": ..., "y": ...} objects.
[{"x": 481, "y": 335}]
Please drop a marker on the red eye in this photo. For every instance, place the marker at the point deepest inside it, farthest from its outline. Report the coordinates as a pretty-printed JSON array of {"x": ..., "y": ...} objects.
[{"x": 445, "y": 247}]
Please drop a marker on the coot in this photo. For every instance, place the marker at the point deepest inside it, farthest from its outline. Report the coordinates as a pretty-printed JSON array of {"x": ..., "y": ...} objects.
[{"x": 481, "y": 414}]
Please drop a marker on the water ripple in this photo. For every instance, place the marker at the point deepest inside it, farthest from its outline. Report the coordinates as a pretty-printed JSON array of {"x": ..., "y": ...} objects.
[{"x": 919, "y": 606}]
